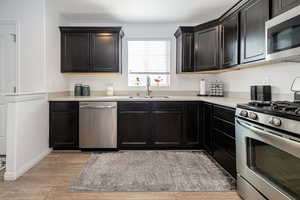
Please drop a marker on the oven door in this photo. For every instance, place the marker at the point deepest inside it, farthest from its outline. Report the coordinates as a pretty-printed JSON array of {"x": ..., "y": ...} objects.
[{"x": 268, "y": 160}]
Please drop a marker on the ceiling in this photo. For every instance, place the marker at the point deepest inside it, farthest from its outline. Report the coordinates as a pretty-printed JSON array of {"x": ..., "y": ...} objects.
[{"x": 142, "y": 11}]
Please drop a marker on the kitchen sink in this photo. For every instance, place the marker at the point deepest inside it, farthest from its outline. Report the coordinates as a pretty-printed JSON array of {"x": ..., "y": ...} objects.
[{"x": 149, "y": 97}]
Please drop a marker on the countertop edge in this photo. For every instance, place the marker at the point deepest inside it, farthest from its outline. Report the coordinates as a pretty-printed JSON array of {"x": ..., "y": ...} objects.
[{"x": 223, "y": 101}]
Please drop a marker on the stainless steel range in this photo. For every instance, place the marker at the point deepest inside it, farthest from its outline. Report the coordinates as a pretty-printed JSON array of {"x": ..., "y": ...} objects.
[{"x": 268, "y": 150}]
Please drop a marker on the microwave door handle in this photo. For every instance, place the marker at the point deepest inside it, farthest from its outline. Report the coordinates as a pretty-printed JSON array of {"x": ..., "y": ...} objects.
[{"x": 274, "y": 136}]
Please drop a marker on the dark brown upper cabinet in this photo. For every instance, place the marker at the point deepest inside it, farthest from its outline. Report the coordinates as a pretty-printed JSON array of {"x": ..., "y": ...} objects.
[
  {"x": 91, "y": 49},
  {"x": 280, "y": 6},
  {"x": 75, "y": 52},
  {"x": 207, "y": 49},
  {"x": 230, "y": 41},
  {"x": 184, "y": 49},
  {"x": 253, "y": 18}
]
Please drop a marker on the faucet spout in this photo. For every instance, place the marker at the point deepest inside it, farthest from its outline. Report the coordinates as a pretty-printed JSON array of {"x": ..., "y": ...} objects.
[{"x": 148, "y": 86}]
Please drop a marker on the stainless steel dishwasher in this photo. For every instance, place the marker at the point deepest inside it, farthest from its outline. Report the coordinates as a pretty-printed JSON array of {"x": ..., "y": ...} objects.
[{"x": 98, "y": 125}]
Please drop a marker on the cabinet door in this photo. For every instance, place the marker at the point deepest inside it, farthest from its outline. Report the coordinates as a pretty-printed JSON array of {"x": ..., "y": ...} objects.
[
  {"x": 75, "y": 52},
  {"x": 191, "y": 125},
  {"x": 221, "y": 155},
  {"x": 134, "y": 129},
  {"x": 64, "y": 125},
  {"x": 185, "y": 52},
  {"x": 230, "y": 41},
  {"x": 104, "y": 52},
  {"x": 207, "y": 127},
  {"x": 253, "y": 18},
  {"x": 280, "y": 6},
  {"x": 207, "y": 49},
  {"x": 167, "y": 128},
  {"x": 64, "y": 130}
]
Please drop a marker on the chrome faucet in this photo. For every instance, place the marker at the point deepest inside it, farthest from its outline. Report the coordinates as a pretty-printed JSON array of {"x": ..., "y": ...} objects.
[{"x": 148, "y": 84}]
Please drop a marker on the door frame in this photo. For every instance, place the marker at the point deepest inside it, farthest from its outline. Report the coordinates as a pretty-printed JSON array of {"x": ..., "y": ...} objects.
[{"x": 16, "y": 24}]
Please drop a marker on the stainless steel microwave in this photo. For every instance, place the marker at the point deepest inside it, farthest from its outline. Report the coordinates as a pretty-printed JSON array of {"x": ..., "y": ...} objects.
[{"x": 283, "y": 36}]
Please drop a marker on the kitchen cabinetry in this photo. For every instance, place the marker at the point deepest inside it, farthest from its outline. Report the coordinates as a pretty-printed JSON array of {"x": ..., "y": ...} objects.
[
  {"x": 230, "y": 41},
  {"x": 75, "y": 53},
  {"x": 166, "y": 124},
  {"x": 280, "y": 6},
  {"x": 91, "y": 49},
  {"x": 191, "y": 126},
  {"x": 134, "y": 129},
  {"x": 253, "y": 18},
  {"x": 64, "y": 125},
  {"x": 184, "y": 49},
  {"x": 223, "y": 123},
  {"x": 207, "y": 127},
  {"x": 207, "y": 49},
  {"x": 158, "y": 125}
]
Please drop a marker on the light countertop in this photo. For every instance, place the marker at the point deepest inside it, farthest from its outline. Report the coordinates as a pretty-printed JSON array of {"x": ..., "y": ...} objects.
[{"x": 224, "y": 101}]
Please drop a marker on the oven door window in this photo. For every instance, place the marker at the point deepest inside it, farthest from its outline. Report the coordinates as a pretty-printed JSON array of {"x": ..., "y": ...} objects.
[
  {"x": 278, "y": 167},
  {"x": 284, "y": 36}
]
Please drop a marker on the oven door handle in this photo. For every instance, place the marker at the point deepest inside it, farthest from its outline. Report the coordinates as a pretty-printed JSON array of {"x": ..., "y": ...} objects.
[{"x": 264, "y": 132}]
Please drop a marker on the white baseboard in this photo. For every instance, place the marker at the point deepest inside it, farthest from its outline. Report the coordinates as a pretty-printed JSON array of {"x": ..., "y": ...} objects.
[{"x": 12, "y": 176}]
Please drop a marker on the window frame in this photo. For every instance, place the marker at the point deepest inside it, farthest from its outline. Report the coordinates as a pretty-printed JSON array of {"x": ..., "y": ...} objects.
[{"x": 167, "y": 39}]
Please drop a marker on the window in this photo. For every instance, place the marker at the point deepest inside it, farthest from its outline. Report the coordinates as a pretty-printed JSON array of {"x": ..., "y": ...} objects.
[{"x": 149, "y": 58}]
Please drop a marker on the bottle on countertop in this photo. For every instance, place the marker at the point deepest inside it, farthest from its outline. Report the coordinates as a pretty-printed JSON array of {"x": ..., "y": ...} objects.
[
  {"x": 86, "y": 91},
  {"x": 202, "y": 87},
  {"x": 110, "y": 91},
  {"x": 78, "y": 90}
]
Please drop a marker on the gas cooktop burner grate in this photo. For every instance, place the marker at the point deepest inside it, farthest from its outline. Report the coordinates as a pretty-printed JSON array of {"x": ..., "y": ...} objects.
[{"x": 284, "y": 107}]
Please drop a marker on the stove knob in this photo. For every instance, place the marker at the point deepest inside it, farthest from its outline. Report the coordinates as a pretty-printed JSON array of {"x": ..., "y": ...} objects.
[
  {"x": 253, "y": 116},
  {"x": 244, "y": 113},
  {"x": 275, "y": 121}
]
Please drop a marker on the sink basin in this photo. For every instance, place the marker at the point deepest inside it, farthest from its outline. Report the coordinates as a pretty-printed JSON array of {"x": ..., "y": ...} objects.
[{"x": 149, "y": 97}]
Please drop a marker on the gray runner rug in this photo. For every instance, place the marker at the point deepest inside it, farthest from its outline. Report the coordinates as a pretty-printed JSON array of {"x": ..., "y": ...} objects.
[{"x": 153, "y": 171}]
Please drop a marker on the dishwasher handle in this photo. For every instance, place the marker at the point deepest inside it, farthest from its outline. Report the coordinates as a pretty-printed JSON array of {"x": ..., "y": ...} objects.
[{"x": 97, "y": 107}]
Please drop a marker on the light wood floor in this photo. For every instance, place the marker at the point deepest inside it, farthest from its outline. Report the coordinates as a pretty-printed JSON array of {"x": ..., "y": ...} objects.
[{"x": 50, "y": 179}]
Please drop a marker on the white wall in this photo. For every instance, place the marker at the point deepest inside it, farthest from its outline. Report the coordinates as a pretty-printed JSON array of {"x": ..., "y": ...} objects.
[
  {"x": 56, "y": 81},
  {"x": 2, "y": 129},
  {"x": 28, "y": 135},
  {"x": 27, "y": 115},
  {"x": 30, "y": 16},
  {"x": 280, "y": 76},
  {"x": 178, "y": 82}
]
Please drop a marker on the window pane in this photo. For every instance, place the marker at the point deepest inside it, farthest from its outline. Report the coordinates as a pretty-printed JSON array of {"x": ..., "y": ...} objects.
[
  {"x": 149, "y": 58},
  {"x": 156, "y": 80}
]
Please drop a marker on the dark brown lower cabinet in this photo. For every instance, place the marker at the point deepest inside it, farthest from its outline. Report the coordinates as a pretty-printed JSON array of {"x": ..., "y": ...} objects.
[
  {"x": 227, "y": 161},
  {"x": 133, "y": 129},
  {"x": 191, "y": 126},
  {"x": 64, "y": 125},
  {"x": 206, "y": 113},
  {"x": 223, "y": 138},
  {"x": 158, "y": 125},
  {"x": 167, "y": 128}
]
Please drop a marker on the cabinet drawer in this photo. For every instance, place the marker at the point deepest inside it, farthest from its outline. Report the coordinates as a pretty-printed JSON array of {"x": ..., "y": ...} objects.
[
  {"x": 224, "y": 113},
  {"x": 225, "y": 142},
  {"x": 224, "y": 126},
  {"x": 225, "y": 160},
  {"x": 64, "y": 106},
  {"x": 133, "y": 106},
  {"x": 167, "y": 106}
]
